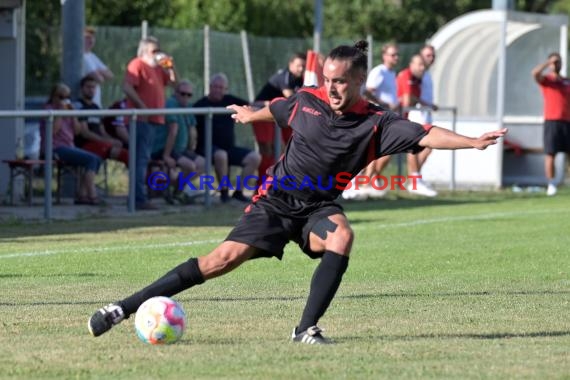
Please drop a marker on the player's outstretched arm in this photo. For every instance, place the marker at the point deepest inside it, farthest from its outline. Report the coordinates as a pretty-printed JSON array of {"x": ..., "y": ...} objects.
[
  {"x": 246, "y": 114},
  {"x": 440, "y": 138}
]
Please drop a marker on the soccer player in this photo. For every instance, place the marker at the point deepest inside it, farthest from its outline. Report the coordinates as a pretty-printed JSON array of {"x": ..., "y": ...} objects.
[{"x": 335, "y": 131}]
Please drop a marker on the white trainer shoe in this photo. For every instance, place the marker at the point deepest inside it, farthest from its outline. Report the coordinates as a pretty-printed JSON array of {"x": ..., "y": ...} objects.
[
  {"x": 375, "y": 193},
  {"x": 354, "y": 195},
  {"x": 420, "y": 189},
  {"x": 551, "y": 190}
]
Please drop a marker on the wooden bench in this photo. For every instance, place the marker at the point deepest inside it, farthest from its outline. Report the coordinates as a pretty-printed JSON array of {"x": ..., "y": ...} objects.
[
  {"x": 25, "y": 168},
  {"x": 509, "y": 146}
]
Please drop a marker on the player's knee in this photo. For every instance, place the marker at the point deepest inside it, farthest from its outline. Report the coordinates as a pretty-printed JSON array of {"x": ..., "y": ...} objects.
[{"x": 341, "y": 240}]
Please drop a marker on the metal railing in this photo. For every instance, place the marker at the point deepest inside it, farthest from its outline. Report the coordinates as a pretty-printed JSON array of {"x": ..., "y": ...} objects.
[
  {"x": 133, "y": 114},
  {"x": 453, "y": 111}
]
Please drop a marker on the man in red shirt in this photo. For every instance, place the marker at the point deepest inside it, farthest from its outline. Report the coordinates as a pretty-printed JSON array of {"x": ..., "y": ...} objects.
[
  {"x": 145, "y": 80},
  {"x": 409, "y": 83},
  {"x": 556, "y": 92}
]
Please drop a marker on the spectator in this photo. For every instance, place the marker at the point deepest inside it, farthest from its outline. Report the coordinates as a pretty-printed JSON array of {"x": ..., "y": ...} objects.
[
  {"x": 93, "y": 137},
  {"x": 117, "y": 126},
  {"x": 424, "y": 116},
  {"x": 556, "y": 93},
  {"x": 381, "y": 81},
  {"x": 409, "y": 83},
  {"x": 224, "y": 150},
  {"x": 145, "y": 81},
  {"x": 381, "y": 90},
  {"x": 175, "y": 142},
  {"x": 92, "y": 65},
  {"x": 284, "y": 83},
  {"x": 64, "y": 130}
]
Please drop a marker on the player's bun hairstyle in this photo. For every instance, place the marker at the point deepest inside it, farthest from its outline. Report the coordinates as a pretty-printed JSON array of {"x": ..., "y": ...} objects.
[{"x": 356, "y": 54}]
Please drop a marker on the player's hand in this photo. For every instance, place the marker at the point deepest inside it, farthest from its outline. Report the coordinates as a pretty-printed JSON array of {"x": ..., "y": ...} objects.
[
  {"x": 489, "y": 138},
  {"x": 242, "y": 113}
]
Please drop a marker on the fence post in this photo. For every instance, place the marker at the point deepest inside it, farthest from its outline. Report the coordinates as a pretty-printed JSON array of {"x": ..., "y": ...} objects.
[
  {"x": 206, "y": 59},
  {"x": 132, "y": 162},
  {"x": 370, "y": 40},
  {"x": 144, "y": 29},
  {"x": 48, "y": 168},
  {"x": 247, "y": 66},
  {"x": 318, "y": 26},
  {"x": 453, "y": 129},
  {"x": 208, "y": 146}
]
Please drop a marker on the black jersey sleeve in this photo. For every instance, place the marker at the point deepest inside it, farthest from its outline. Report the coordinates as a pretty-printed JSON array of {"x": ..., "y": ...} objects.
[
  {"x": 397, "y": 135},
  {"x": 283, "y": 110}
]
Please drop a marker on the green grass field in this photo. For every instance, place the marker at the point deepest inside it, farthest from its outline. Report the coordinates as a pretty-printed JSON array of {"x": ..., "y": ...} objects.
[{"x": 469, "y": 286}]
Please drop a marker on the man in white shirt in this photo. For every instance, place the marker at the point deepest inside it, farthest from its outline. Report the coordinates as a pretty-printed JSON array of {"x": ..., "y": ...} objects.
[
  {"x": 381, "y": 81},
  {"x": 380, "y": 89},
  {"x": 93, "y": 66}
]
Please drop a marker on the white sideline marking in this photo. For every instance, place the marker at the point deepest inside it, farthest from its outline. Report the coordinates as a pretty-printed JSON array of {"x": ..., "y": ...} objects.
[
  {"x": 105, "y": 249},
  {"x": 457, "y": 219},
  {"x": 356, "y": 227}
]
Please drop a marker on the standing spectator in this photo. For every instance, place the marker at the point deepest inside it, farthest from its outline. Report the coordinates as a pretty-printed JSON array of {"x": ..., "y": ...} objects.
[
  {"x": 556, "y": 92},
  {"x": 64, "y": 131},
  {"x": 175, "y": 142},
  {"x": 416, "y": 161},
  {"x": 92, "y": 65},
  {"x": 93, "y": 137},
  {"x": 381, "y": 81},
  {"x": 380, "y": 89},
  {"x": 224, "y": 150},
  {"x": 409, "y": 83},
  {"x": 284, "y": 83},
  {"x": 145, "y": 81}
]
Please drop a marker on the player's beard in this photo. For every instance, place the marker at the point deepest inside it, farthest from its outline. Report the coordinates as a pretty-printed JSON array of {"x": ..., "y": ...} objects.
[{"x": 336, "y": 101}]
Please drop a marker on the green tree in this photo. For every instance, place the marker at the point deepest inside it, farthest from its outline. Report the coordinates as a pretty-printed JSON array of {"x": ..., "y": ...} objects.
[
  {"x": 399, "y": 20},
  {"x": 42, "y": 47}
]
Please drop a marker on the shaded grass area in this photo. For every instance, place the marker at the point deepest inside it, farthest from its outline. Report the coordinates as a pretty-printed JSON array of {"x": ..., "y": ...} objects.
[{"x": 464, "y": 286}]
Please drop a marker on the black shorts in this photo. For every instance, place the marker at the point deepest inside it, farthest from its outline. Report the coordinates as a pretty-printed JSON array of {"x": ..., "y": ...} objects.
[
  {"x": 556, "y": 136},
  {"x": 276, "y": 217}
]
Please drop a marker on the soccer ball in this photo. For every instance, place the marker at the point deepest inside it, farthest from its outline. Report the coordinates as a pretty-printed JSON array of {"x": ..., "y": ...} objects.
[{"x": 160, "y": 320}]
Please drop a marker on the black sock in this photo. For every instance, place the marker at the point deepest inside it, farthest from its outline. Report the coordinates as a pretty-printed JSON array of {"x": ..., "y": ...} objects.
[
  {"x": 325, "y": 282},
  {"x": 178, "y": 279}
]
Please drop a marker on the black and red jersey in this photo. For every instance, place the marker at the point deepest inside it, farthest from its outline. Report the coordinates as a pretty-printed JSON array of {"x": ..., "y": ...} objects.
[{"x": 325, "y": 143}]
